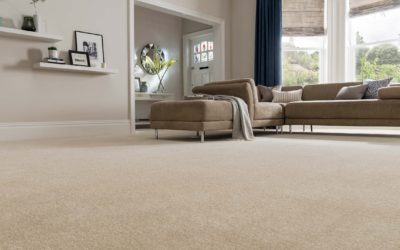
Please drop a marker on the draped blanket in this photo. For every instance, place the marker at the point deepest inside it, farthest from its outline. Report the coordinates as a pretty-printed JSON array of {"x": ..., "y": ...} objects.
[{"x": 242, "y": 127}]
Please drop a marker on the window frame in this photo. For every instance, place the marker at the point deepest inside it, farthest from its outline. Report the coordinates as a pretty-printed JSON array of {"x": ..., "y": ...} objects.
[
  {"x": 351, "y": 74},
  {"x": 322, "y": 57}
]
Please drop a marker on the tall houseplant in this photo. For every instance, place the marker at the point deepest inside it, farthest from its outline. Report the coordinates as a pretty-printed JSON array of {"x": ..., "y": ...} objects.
[{"x": 160, "y": 67}]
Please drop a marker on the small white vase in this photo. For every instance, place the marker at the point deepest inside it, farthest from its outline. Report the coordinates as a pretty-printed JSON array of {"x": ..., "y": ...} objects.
[
  {"x": 39, "y": 24},
  {"x": 53, "y": 54}
]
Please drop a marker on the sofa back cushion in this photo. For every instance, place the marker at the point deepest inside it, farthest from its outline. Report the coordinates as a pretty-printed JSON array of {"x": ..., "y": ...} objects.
[
  {"x": 318, "y": 92},
  {"x": 265, "y": 93},
  {"x": 244, "y": 89},
  {"x": 287, "y": 96},
  {"x": 352, "y": 92}
]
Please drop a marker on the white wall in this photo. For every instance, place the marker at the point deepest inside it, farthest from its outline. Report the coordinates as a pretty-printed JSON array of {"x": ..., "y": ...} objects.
[
  {"x": 29, "y": 96},
  {"x": 165, "y": 31},
  {"x": 243, "y": 38},
  {"x": 189, "y": 26},
  {"x": 216, "y": 8}
]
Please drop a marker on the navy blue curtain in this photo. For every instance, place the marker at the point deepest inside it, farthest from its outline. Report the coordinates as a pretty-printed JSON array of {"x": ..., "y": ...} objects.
[{"x": 268, "y": 71}]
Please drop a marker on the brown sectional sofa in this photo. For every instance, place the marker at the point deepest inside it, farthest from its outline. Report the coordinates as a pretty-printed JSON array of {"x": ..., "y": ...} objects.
[
  {"x": 318, "y": 107},
  {"x": 210, "y": 115}
]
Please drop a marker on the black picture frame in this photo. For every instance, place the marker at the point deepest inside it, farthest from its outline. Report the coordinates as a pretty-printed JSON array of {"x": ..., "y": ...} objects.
[
  {"x": 71, "y": 58},
  {"x": 88, "y": 34}
]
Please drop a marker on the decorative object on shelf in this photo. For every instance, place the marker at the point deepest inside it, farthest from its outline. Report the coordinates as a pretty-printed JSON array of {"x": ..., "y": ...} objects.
[
  {"x": 79, "y": 58},
  {"x": 53, "y": 53},
  {"x": 92, "y": 44},
  {"x": 28, "y": 24},
  {"x": 39, "y": 23},
  {"x": 161, "y": 67},
  {"x": 155, "y": 53},
  {"x": 54, "y": 60},
  {"x": 143, "y": 86}
]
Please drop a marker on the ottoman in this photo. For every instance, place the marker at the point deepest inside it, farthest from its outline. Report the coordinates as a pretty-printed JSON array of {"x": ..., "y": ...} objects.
[{"x": 192, "y": 115}]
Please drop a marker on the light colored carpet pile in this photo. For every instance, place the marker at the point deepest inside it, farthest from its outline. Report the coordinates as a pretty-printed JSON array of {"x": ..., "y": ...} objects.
[{"x": 277, "y": 192}]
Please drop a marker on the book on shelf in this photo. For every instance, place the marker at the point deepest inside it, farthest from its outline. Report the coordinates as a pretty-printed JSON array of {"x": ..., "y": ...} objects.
[{"x": 54, "y": 60}]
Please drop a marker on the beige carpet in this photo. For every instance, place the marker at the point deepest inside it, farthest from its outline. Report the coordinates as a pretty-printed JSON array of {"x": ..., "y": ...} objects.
[{"x": 278, "y": 192}]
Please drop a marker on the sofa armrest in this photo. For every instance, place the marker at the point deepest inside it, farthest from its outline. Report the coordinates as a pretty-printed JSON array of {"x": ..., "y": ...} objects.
[
  {"x": 241, "y": 90},
  {"x": 389, "y": 93}
]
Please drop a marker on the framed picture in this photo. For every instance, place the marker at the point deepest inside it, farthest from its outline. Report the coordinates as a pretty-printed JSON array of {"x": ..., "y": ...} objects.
[
  {"x": 79, "y": 58},
  {"x": 92, "y": 44}
]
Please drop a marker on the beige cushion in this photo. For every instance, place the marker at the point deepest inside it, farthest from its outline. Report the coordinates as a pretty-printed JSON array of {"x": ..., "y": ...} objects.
[
  {"x": 352, "y": 93},
  {"x": 389, "y": 93},
  {"x": 266, "y": 94},
  {"x": 192, "y": 111},
  {"x": 327, "y": 91},
  {"x": 350, "y": 109},
  {"x": 287, "y": 96}
]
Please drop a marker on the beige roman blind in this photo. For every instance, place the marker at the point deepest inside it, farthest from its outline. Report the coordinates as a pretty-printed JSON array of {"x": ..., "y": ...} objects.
[
  {"x": 303, "y": 17},
  {"x": 363, "y": 7}
]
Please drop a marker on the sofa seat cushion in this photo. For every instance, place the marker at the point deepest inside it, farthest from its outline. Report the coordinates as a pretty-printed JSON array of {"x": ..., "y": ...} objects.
[
  {"x": 192, "y": 111},
  {"x": 268, "y": 110},
  {"x": 346, "y": 109}
]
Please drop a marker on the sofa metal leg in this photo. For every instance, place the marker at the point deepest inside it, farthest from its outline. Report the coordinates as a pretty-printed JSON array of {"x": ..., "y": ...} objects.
[
  {"x": 304, "y": 128},
  {"x": 277, "y": 130},
  {"x": 290, "y": 129},
  {"x": 281, "y": 129},
  {"x": 156, "y": 134},
  {"x": 312, "y": 128},
  {"x": 202, "y": 136}
]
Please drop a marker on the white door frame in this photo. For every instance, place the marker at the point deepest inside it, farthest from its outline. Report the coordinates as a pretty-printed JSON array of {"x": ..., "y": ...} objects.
[
  {"x": 218, "y": 25},
  {"x": 187, "y": 80}
]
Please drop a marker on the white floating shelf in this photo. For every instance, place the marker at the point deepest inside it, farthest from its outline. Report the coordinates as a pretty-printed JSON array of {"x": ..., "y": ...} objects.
[
  {"x": 29, "y": 35},
  {"x": 71, "y": 68},
  {"x": 153, "y": 97}
]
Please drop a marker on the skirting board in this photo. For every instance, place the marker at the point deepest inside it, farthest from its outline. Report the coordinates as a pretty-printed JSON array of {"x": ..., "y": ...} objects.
[{"x": 42, "y": 130}]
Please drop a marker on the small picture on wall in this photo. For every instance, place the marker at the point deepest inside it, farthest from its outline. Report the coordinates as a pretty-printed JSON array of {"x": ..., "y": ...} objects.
[
  {"x": 79, "y": 58},
  {"x": 93, "y": 45}
]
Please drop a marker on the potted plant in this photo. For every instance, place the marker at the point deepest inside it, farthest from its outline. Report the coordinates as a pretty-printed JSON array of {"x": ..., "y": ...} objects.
[
  {"x": 37, "y": 18},
  {"x": 53, "y": 53},
  {"x": 161, "y": 67}
]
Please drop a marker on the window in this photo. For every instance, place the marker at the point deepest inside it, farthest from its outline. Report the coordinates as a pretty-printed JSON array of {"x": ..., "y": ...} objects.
[
  {"x": 375, "y": 45},
  {"x": 203, "y": 52},
  {"x": 303, "y": 60},
  {"x": 303, "y": 44}
]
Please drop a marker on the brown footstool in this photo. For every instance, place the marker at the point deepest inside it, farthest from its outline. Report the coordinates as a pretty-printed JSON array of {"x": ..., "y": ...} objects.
[{"x": 192, "y": 115}]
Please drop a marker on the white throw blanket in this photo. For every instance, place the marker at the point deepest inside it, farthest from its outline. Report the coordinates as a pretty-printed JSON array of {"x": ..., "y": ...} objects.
[{"x": 242, "y": 127}]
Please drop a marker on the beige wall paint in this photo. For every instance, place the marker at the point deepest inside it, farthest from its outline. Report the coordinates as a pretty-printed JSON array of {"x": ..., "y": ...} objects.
[
  {"x": 27, "y": 95},
  {"x": 189, "y": 26},
  {"x": 216, "y": 8},
  {"x": 243, "y": 38},
  {"x": 166, "y": 31}
]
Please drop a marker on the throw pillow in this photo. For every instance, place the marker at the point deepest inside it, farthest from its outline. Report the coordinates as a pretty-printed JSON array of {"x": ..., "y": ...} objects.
[
  {"x": 374, "y": 86},
  {"x": 287, "y": 96},
  {"x": 352, "y": 93},
  {"x": 266, "y": 93}
]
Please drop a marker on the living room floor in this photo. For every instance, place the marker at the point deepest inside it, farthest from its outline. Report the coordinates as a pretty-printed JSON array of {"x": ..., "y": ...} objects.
[{"x": 300, "y": 191}]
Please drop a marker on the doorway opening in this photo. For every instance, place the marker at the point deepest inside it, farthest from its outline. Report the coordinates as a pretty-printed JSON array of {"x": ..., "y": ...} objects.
[
  {"x": 199, "y": 58},
  {"x": 195, "y": 41}
]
